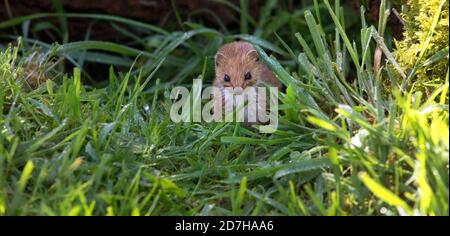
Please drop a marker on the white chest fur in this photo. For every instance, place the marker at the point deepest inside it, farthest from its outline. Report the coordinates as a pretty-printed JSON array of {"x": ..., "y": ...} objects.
[{"x": 249, "y": 104}]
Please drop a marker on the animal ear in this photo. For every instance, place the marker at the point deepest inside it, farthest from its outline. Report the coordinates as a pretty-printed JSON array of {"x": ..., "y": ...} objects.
[
  {"x": 252, "y": 54},
  {"x": 218, "y": 59}
]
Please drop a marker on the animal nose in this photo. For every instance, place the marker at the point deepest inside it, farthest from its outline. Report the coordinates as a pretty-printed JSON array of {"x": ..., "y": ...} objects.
[{"x": 238, "y": 90}]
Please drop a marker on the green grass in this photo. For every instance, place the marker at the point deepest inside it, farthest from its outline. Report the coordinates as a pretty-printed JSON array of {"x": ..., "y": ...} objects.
[{"x": 345, "y": 145}]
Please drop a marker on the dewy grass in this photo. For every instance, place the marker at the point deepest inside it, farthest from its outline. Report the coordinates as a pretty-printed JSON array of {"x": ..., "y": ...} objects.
[{"x": 343, "y": 146}]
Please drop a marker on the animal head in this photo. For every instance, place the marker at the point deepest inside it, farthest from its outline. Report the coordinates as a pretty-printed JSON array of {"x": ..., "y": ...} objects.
[{"x": 237, "y": 65}]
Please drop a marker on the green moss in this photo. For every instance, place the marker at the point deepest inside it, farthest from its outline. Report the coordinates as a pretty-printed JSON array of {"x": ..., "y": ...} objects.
[{"x": 418, "y": 16}]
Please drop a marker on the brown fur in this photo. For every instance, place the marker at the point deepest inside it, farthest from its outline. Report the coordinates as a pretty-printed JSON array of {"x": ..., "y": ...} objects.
[{"x": 236, "y": 59}]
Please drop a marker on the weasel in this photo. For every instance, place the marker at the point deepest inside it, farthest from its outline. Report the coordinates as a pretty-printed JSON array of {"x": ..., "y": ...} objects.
[{"x": 237, "y": 68}]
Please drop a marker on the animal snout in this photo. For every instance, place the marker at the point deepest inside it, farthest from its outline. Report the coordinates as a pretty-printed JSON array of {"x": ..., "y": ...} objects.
[{"x": 237, "y": 90}]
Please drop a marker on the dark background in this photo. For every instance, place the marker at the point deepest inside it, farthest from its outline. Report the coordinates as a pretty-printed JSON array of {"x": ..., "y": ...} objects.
[{"x": 159, "y": 12}]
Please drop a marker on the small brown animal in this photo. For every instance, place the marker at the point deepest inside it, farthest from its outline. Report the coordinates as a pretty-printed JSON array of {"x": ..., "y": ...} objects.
[{"x": 238, "y": 67}]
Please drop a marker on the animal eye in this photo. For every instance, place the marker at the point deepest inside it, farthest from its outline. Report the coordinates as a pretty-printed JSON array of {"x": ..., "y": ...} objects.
[
  {"x": 248, "y": 76},
  {"x": 226, "y": 78}
]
